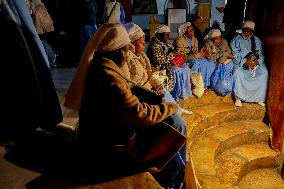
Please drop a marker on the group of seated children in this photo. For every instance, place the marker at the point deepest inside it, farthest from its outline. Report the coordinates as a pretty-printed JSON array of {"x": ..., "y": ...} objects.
[{"x": 237, "y": 67}]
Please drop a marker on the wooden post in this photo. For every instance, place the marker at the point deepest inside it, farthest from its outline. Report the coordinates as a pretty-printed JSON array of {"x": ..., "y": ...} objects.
[
  {"x": 153, "y": 24},
  {"x": 273, "y": 38},
  {"x": 204, "y": 10},
  {"x": 127, "y": 8}
]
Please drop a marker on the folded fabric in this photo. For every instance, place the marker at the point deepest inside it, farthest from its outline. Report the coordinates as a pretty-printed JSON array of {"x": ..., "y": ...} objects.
[
  {"x": 197, "y": 81},
  {"x": 178, "y": 59}
]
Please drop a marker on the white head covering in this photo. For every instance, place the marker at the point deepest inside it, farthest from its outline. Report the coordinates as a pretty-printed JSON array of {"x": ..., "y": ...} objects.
[
  {"x": 108, "y": 37},
  {"x": 182, "y": 28},
  {"x": 249, "y": 24},
  {"x": 214, "y": 33},
  {"x": 134, "y": 31},
  {"x": 162, "y": 29}
]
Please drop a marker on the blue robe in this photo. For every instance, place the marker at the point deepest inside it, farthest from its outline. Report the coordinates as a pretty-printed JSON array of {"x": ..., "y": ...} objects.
[
  {"x": 205, "y": 66},
  {"x": 248, "y": 86},
  {"x": 181, "y": 86},
  {"x": 222, "y": 78}
]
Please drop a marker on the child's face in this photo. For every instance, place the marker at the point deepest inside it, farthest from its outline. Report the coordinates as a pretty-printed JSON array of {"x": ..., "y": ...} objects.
[
  {"x": 217, "y": 40},
  {"x": 139, "y": 45},
  {"x": 166, "y": 35},
  {"x": 189, "y": 32},
  {"x": 198, "y": 22},
  {"x": 247, "y": 32}
]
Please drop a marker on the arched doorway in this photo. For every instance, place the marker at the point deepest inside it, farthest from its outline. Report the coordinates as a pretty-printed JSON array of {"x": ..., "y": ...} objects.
[{"x": 182, "y": 4}]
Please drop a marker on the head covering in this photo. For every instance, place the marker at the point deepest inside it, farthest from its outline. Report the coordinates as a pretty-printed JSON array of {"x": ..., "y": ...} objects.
[
  {"x": 162, "y": 29},
  {"x": 182, "y": 28},
  {"x": 214, "y": 33},
  {"x": 108, "y": 37},
  {"x": 249, "y": 24},
  {"x": 134, "y": 31}
]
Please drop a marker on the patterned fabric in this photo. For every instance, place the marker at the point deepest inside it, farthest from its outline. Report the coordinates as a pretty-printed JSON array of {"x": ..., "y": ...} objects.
[
  {"x": 247, "y": 86},
  {"x": 158, "y": 56},
  {"x": 139, "y": 69},
  {"x": 162, "y": 29},
  {"x": 186, "y": 46},
  {"x": 179, "y": 77}
]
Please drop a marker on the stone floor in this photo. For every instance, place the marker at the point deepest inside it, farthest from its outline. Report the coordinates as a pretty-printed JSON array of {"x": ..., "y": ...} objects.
[
  {"x": 62, "y": 78},
  {"x": 227, "y": 146},
  {"x": 32, "y": 165}
]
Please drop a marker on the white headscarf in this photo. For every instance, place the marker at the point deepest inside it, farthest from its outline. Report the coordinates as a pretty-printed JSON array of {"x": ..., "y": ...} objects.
[
  {"x": 108, "y": 37},
  {"x": 249, "y": 24},
  {"x": 214, "y": 33},
  {"x": 162, "y": 29},
  {"x": 182, "y": 28},
  {"x": 134, "y": 31}
]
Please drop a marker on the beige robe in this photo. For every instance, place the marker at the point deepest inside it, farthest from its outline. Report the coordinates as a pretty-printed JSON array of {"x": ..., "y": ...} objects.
[
  {"x": 108, "y": 99},
  {"x": 182, "y": 46},
  {"x": 138, "y": 69}
]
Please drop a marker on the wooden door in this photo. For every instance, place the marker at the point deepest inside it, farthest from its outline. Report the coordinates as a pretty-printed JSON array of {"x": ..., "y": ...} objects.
[{"x": 270, "y": 27}]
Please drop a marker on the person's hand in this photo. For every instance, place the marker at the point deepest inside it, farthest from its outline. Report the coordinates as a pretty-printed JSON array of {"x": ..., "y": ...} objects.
[
  {"x": 147, "y": 85},
  {"x": 62, "y": 33},
  {"x": 208, "y": 53},
  {"x": 251, "y": 64},
  {"x": 179, "y": 111},
  {"x": 204, "y": 53},
  {"x": 230, "y": 56},
  {"x": 254, "y": 63},
  {"x": 201, "y": 53},
  {"x": 159, "y": 89}
]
